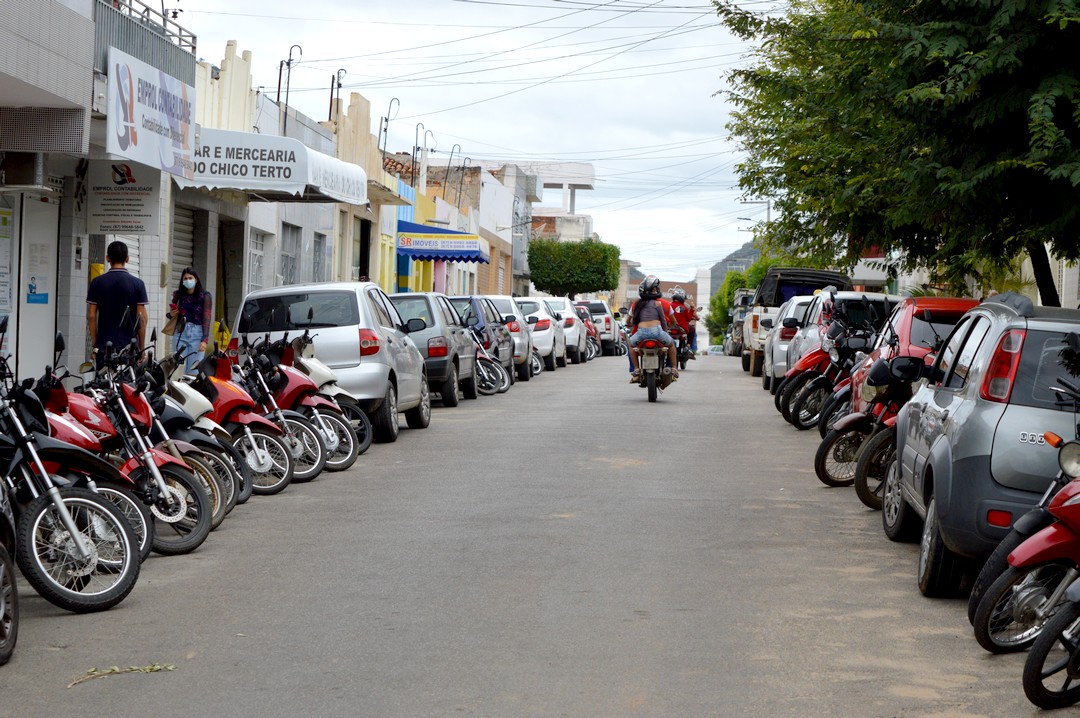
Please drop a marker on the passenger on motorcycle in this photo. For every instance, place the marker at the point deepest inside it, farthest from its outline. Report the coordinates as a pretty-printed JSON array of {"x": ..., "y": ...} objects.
[{"x": 649, "y": 320}]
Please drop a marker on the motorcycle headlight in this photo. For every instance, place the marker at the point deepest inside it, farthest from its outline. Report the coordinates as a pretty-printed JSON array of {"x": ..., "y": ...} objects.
[
  {"x": 1069, "y": 459},
  {"x": 834, "y": 355},
  {"x": 869, "y": 393},
  {"x": 827, "y": 344}
]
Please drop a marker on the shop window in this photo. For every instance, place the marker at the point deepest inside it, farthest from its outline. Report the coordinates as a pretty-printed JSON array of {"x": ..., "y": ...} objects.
[{"x": 290, "y": 250}]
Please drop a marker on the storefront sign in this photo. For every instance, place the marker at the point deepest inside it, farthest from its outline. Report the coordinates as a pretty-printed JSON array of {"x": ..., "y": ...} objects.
[
  {"x": 257, "y": 163},
  {"x": 151, "y": 116},
  {"x": 124, "y": 198},
  {"x": 434, "y": 243}
]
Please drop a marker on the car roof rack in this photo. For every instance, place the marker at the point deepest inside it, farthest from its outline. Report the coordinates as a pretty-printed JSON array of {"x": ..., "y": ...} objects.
[{"x": 1017, "y": 302}]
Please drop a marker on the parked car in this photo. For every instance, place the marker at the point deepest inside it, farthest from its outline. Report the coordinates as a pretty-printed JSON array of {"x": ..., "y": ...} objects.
[
  {"x": 520, "y": 332},
  {"x": 604, "y": 319},
  {"x": 449, "y": 351},
  {"x": 9, "y": 590},
  {"x": 776, "y": 343},
  {"x": 547, "y": 332},
  {"x": 482, "y": 314},
  {"x": 716, "y": 350},
  {"x": 360, "y": 335},
  {"x": 576, "y": 338},
  {"x": 970, "y": 451},
  {"x": 591, "y": 332},
  {"x": 857, "y": 307}
]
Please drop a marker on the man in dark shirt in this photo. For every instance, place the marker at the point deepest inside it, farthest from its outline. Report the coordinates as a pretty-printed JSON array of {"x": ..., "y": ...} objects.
[{"x": 116, "y": 305}]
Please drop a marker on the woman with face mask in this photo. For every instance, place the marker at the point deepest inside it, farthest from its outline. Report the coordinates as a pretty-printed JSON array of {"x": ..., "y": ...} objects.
[{"x": 196, "y": 307}]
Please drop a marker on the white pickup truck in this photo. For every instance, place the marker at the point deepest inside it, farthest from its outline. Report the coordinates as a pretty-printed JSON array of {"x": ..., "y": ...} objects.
[{"x": 779, "y": 285}]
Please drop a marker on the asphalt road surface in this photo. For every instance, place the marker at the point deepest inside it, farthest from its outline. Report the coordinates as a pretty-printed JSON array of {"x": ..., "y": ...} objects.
[{"x": 565, "y": 549}]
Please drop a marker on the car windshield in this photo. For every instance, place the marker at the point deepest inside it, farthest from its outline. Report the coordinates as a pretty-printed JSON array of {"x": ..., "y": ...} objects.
[
  {"x": 464, "y": 306},
  {"x": 930, "y": 334},
  {"x": 285, "y": 312},
  {"x": 413, "y": 308},
  {"x": 1045, "y": 357},
  {"x": 595, "y": 307}
]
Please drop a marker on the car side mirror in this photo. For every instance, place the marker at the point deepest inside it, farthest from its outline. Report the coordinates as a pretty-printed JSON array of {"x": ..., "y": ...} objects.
[
  {"x": 415, "y": 324},
  {"x": 790, "y": 323},
  {"x": 908, "y": 369},
  {"x": 767, "y": 323},
  {"x": 558, "y": 316},
  {"x": 472, "y": 321},
  {"x": 616, "y": 315},
  {"x": 533, "y": 320}
]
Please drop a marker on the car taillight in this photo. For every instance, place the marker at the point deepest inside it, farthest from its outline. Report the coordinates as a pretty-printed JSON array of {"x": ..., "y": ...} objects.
[
  {"x": 607, "y": 323},
  {"x": 753, "y": 323},
  {"x": 437, "y": 347},
  {"x": 233, "y": 352},
  {"x": 369, "y": 343},
  {"x": 542, "y": 324},
  {"x": 513, "y": 326},
  {"x": 999, "y": 518},
  {"x": 998, "y": 382},
  {"x": 569, "y": 322},
  {"x": 787, "y": 334}
]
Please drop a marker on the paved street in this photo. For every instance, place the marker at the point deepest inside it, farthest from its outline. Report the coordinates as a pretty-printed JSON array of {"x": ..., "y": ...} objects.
[{"x": 566, "y": 549}]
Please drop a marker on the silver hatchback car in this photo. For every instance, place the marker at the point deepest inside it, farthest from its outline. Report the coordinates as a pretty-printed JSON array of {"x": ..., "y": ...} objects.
[
  {"x": 360, "y": 335},
  {"x": 971, "y": 457}
]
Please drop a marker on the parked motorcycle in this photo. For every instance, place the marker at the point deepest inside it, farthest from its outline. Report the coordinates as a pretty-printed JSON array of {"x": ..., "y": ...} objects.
[
  {"x": 257, "y": 438},
  {"x": 843, "y": 343},
  {"x": 491, "y": 376},
  {"x": 9, "y": 590},
  {"x": 656, "y": 376},
  {"x": 73, "y": 546}
]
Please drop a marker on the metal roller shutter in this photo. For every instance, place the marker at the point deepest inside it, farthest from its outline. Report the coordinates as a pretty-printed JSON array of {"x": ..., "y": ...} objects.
[
  {"x": 132, "y": 242},
  {"x": 183, "y": 245}
]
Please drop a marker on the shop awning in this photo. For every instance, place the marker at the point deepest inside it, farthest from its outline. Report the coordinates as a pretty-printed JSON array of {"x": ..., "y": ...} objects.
[
  {"x": 421, "y": 241},
  {"x": 273, "y": 169}
]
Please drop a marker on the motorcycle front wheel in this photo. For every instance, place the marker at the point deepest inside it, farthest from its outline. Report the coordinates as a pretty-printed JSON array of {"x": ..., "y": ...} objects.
[
  {"x": 53, "y": 565},
  {"x": 269, "y": 460},
  {"x": 306, "y": 448},
  {"x": 488, "y": 378},
  {"x": 1050, "y": 676},
  {"x": 183, "y": 524},
  {"x": 345, "y": 453},
  {"x": 9, "y": 607},
  {"x": 1006, "y": 620},
  {"x": 134, "y": 511},
  {"x": 228, "y": 475},
  {"x": 834, "y": 462},
  {"x": 536, "y": 365},
  {"x": 873, "y": 460},
  {"x": 211, "y": 483}
]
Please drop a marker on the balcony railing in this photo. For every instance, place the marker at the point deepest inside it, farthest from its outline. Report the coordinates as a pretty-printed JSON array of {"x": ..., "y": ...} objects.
[{"x": 143, "y": 32}]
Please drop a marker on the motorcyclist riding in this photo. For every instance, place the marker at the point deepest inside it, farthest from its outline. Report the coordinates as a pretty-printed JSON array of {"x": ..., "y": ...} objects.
[
  {"x": 683, "y": 314},
  {"x": 648, "y": 320}
]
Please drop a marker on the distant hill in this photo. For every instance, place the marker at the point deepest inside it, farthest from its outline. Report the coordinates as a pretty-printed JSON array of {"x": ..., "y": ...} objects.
[{"x": 738, "y": 261}]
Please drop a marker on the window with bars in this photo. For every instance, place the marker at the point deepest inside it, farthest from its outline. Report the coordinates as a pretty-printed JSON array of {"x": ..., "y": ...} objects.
[
  {"x": 318, "y": 268},
  {"x": 290, "y": 250},
  {"x": 256, "y": 254}
]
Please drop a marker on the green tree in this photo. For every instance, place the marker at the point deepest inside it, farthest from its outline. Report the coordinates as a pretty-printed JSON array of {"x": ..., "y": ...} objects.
[
  {"x": 572, "y": 268},
  {"x": 722, "y": 302},
  {"x": 944, "y": 134}
]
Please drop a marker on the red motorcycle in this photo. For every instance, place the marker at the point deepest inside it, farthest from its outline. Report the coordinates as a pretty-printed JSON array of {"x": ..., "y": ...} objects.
[
  {"x": 257, "y": 438},
  {"x": 119, "y": 416}
]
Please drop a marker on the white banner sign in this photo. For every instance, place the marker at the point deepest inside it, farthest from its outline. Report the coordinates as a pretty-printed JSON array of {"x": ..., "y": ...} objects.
[
  {"x": 151, "y": 116},
  {"x": 123, "y": 198},
  {"x": 252, "y": 162}
]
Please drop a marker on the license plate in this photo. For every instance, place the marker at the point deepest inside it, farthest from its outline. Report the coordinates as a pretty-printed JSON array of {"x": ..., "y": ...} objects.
[{"x": 650, "y": 361}]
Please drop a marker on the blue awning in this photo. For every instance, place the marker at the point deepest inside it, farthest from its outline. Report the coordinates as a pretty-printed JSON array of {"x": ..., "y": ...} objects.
[{"x": 423, "y": 242}]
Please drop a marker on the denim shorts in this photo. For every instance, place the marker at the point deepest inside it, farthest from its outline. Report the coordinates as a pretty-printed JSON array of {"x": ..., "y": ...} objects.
[{"x": 657, "y": 333}]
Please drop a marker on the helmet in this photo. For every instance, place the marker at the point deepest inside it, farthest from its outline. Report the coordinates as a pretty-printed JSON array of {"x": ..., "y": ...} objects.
[
  {"x": 678, "y": 295},
  {"x": 649, "y": 287}
]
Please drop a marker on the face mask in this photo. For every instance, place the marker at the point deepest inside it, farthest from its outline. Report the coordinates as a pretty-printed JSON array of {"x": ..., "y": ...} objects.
[{"x": 189, "y": 284}]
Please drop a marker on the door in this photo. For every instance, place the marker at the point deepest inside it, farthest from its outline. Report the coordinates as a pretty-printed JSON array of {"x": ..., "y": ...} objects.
[
  {"x": 39, "y": 225},
  {"x": 463, "y": 345},
  {"x": 403, "y": 356},
  {"x": 949, "y": 401},
  {"x": 183, "y": 246}
]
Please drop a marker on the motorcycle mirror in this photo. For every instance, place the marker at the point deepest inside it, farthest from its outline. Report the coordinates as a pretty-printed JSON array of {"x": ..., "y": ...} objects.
[
  {"x": 153, "y": 336},
  {"x": 1073, "y": 340},
  {"x": 310, "y": 314},
  {"x": 58, "y": 343},
  {"x": 86, "y": 367}
]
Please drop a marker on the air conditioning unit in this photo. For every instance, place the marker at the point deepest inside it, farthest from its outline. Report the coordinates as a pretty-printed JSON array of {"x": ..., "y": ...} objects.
[{"x": 28, "y": 172}]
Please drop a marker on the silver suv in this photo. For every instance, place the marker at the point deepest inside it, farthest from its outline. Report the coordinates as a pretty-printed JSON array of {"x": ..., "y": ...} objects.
[
  {"x": 969, "y": 444},
  {"x": 360, "y": 335}
]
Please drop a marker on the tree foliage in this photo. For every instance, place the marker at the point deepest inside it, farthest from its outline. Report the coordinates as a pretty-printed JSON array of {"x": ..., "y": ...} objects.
[
  {"x": 572, "y": 268},
  {"x": 945, "y": 134},
  {"x": 722, "y": 302}
]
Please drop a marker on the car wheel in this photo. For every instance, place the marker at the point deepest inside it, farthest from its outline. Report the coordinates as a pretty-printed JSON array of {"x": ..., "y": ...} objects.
[
  {"x": 384, "y": 423},
  {"x": 449, "y": 389},
  {"x": 940, "y": 570},
  {"x": 746, "y": 362},
  {"x": 766, "y": 380},
  {"x": 897, "y": 518},
  {"x": 524, "y": 371},
  {"x": 756, "y": 361},
  {"x": 561, "y": 361},
  {"x": 419, "y": 416},
  {"x": 575, "y": 355},
  {"x": 549, "y": 360}
]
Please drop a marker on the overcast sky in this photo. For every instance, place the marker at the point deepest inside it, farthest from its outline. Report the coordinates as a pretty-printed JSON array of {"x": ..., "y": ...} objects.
[{"x": 627, "y": 85}]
